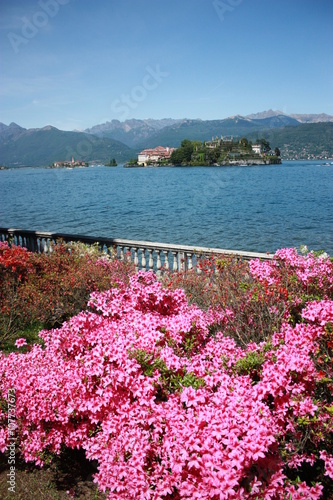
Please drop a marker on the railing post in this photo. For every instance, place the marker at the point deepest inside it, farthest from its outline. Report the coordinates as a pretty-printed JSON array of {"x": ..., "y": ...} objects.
[
  {"x": 174, "y": 267},
  {"x": 151, "y": 260},
  {"x": 166, "y": 260},
  {"x": 46, "y": 247},
  {"x": 181, "y": 261},
  {"x": 190, "y": 263},
  {"x": 199, "y": 271},
  {"x": 158, "y": 264},
  {"x": 143, "y": 259},
  {"x": 136, "y": 259},
  {"x": 128, "y": 254}
]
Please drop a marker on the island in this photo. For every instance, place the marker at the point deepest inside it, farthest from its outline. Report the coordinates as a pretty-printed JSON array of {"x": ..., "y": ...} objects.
[
  {"x": 69, "y": 164},
  {"x": 111, "y": 163},
  {"x": 223, "y": 151}
]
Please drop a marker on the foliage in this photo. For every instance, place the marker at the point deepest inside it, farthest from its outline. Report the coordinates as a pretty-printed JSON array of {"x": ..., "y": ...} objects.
[
  {"x": 258, "y": 296},
  {"x": 111, "y": 163},
  {"x": 182, "y": 154},
  {"x": 179, "y": 401},
  {"x": 49, "y": 289},
  {"x": 217, "y": 151},
  {"x": 264, "y": 144}
]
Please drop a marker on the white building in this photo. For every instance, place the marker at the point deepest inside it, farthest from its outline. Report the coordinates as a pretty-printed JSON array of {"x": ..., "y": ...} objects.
[{"x": 256, "y": 148}]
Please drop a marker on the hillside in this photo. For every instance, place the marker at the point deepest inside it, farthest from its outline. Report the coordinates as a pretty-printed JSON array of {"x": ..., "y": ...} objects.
[
  {"x": 140, "y": 134},
  {"x": 131, "y": 132},
  {"x": 295, "y": 140},
  {"x": 306, "y": 141},
  {"x": 41, "y": 147},
  {"x": 123, "y": 140},
  {"x": 200, "y": 130}
]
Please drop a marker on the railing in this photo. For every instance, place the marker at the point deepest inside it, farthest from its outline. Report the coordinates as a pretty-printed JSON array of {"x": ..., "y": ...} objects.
[{"x": 144, "y": 254}]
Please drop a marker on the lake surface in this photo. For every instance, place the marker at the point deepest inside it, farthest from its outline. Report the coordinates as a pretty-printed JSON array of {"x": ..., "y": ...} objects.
[{"x": 260, "y": 208}]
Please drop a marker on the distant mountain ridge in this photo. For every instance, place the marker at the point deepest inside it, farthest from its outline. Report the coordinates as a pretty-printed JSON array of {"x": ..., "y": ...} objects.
[
  {"x": 301, "y": 118},
  {"x": 131, "y": 132},
  {"x": 42, "y": 147},
  {"x": 170, "y": 132},
  {"x": 123, "y": 140},
  {"x": 206, "y": 129}
]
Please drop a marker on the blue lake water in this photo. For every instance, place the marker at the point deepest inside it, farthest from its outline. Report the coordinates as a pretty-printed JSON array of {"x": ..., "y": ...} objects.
[{"x": 260, "y": 208}]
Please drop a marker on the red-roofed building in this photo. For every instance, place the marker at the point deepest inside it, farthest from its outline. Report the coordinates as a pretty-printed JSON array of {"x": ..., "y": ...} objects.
[{"x": 154, "y": 155}]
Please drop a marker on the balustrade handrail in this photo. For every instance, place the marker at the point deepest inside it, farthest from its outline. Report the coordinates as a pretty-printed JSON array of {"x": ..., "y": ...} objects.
[{"x": 40, "y": 241}]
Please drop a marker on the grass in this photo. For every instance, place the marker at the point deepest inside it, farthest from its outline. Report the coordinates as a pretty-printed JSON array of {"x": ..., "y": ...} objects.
[
  {"x": 29, "y": 332},
  {"x": 69, "y": 476}
]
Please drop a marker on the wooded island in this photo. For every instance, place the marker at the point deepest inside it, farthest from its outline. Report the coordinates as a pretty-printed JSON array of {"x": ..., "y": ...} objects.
[{"x": 219, "y": 152}]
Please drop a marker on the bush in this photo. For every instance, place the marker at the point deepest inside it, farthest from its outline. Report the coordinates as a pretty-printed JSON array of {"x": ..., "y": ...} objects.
[
  {"x": 171, "y": 411},
  {"x": 258, "y": 296},
  {"x": 48, "y": 289},
  {"x": 177, "y": 401}
]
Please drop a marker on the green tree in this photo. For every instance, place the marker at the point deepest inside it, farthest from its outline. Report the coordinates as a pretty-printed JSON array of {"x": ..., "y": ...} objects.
[
  {"x": 187, "y": 148},
  {"x": 264, "y": 144},
  {"x": 177, "y": 157},
  {"x": 182, "y": 154},
  {"x": 213, "y": 155}
]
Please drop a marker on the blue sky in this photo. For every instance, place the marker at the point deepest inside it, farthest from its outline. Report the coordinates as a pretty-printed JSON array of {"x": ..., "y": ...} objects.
[{"x": 77, "y": 63}]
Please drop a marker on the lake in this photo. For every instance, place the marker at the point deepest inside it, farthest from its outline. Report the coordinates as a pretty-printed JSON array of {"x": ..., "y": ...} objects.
[{"x": 259, "y": 208}]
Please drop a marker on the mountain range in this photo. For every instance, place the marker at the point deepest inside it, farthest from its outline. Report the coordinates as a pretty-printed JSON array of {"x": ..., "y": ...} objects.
[
  {"x": 141, "y": 134},
  {"x": 295, "y": 135},
  {"x": 42, "y": 147}
]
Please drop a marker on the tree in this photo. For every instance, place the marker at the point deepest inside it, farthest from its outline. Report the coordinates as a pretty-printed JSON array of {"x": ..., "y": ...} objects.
[
  {"x": 264, "y": 144},
  {"x": 197, "y": 146},
  {"x": 177, "y": 157},
  {"x": 112, "y": 163},
  {"x": 182, "y": 154},
  {"x": 213, "y": 155},
  {"x": 277, "y": 152},
  {"x": 187, "y": 148}
]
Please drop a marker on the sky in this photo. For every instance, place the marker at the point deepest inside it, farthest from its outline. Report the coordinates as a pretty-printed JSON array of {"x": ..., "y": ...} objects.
[{"x": 73, "y": 64}]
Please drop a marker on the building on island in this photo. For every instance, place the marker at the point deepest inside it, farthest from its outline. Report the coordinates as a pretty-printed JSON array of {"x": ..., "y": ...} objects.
[
  {"x": 154, "y": 155},
  {"x": 257, "y": 148},
  {"x": 217, "y": 142},
  {"x": 69, "y": 163}
]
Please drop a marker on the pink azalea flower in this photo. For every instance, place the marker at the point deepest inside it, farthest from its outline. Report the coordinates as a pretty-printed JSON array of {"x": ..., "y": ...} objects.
[{"x": 20, "y": 342}]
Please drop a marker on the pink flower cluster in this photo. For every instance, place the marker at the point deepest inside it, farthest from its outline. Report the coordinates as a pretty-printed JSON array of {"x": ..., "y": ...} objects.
[
  {"x": 309, "y": 269},
  {"x": 169, "y": 410}
]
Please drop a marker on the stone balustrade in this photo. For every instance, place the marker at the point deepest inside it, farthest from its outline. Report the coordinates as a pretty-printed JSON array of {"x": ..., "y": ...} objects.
[{"x": 144, "y": 254}]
